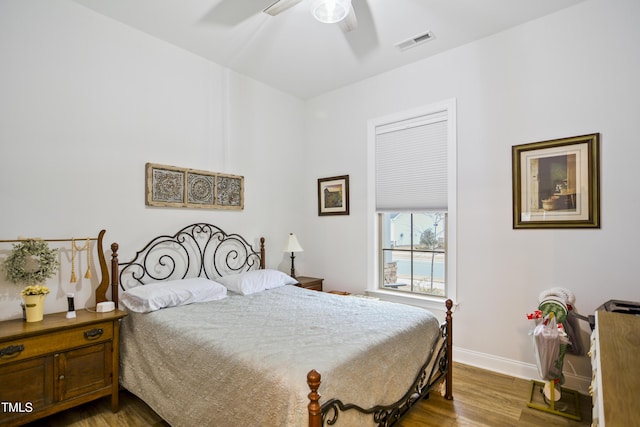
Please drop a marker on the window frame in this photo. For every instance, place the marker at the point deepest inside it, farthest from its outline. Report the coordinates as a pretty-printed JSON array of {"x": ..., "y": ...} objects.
[
  {"x": 412, "y": 251},
  {"x": 374, "y": 255}
]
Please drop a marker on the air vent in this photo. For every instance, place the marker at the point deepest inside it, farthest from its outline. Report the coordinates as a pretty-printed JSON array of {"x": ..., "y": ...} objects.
[{"x": 415, "y": 41}]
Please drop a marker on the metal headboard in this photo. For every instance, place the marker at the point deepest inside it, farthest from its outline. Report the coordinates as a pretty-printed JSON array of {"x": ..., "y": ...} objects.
[{"x": 198, "y": 250}]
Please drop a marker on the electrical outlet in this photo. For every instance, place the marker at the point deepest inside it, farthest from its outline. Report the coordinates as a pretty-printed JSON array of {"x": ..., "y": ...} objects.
[{"x": 104, "y": 307}]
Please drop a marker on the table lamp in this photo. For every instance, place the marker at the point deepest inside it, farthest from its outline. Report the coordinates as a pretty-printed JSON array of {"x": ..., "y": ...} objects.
[{"x": 293, "y": 246}]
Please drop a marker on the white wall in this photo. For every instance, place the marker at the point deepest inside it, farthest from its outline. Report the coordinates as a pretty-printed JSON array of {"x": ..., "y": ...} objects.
[
  {"x": 572, "y": 73},
  {"x": 86, "y": 101}
]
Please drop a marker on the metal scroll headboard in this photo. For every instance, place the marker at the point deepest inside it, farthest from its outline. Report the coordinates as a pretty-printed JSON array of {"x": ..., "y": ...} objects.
[{"x": 198, "y": 250}]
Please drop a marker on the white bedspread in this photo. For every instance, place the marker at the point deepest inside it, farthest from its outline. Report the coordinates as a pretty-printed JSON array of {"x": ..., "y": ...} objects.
[{"x": 243, "y": 361}]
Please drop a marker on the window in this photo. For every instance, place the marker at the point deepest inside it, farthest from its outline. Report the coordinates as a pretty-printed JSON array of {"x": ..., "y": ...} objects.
[
  {"x": 414, "y": 163},
  {"x": 413, "y": 252}
]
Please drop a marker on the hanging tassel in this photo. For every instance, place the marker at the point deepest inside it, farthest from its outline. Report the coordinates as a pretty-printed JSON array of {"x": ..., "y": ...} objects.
[
  {"x": 75, "y": 248},
  {"x": 73, "y": 262},
  {"x": 87, "y": 275}
]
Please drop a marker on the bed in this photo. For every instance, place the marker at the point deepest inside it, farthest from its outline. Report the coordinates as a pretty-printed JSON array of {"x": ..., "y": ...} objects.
[{"x": 267, "y": 352}]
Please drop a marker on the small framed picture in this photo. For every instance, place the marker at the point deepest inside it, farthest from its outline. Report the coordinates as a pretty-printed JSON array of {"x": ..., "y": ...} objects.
[
  {"x": 333, "y": 195},
  {"x": 556, "y": 183}
]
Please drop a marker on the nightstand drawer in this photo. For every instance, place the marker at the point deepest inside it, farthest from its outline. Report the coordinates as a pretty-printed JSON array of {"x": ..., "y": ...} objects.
[
  {"x": 11, "y": 351},
  {"x": 311, "y": 283}
]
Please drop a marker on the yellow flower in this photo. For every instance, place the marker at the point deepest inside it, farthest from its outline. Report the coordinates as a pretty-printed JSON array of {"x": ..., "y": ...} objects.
[{"x": 34, "y": 290}]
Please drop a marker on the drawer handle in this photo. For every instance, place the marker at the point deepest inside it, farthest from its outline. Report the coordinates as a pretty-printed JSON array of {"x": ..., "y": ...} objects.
[
  {"x": 93, "y": 334},
  {"x": 11, "y": 351}
]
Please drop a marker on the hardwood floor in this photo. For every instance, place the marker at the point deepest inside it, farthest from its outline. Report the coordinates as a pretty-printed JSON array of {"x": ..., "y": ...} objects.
[
  {"x": 487, "y": 399},
  {"x": 133, "y": 413},
  {"x": 481, "y": 399}
]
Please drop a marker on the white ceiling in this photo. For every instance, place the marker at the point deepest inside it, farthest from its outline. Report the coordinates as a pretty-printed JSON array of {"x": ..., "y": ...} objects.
[{"x": 296, "y": 54}]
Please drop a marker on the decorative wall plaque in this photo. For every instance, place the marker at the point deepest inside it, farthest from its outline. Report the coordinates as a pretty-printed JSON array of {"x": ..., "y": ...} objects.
[{"x": 171, "y": 186}]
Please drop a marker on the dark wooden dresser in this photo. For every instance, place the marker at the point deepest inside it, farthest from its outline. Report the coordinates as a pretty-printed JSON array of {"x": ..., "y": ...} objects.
[{"x": 57, "y": 363}]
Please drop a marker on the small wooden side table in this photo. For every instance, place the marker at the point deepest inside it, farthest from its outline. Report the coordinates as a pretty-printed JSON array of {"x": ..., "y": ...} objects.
[{"x": 312, "y": 283}]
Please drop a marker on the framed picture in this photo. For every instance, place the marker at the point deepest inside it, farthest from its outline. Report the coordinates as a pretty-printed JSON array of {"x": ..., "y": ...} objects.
[
  {"x": 556, "y": 184},
  {"x": 229, "y": 191},
  {"x": 164, "y": 185},
  {"x": 171, "y": 186},
  {"x": 333, "y": 195}
]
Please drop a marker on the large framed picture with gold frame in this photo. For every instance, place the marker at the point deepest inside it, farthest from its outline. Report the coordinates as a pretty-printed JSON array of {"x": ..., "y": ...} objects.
[
  {"x": 172, "y": 186},
  {"x": 556, "y": 183}
]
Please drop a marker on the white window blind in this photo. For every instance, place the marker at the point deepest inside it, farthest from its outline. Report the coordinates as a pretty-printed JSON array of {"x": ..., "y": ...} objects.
[{"x": 411, "y": 164}]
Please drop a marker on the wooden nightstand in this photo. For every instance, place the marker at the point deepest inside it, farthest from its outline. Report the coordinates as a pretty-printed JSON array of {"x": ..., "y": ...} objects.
[
  {"x": 57, "y": 363},
  {"x": 312, "y": 283}
]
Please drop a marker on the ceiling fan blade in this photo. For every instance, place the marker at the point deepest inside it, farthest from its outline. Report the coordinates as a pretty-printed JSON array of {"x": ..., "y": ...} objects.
[
  {"x": 349, "y": 23},
  {"x": 364, "y": 41},
  {"x": 280, "y": 6}
]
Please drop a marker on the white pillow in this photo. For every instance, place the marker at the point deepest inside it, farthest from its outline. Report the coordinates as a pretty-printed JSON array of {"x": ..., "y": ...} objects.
[
  {"x": 254, "y": 281},
  {"x": 151, "y": 297}
]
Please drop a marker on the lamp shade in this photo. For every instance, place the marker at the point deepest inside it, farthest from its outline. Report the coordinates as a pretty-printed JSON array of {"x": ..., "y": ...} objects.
[
  {"x": 330, "y": 11},
  {"x": 293, "y": 245}
]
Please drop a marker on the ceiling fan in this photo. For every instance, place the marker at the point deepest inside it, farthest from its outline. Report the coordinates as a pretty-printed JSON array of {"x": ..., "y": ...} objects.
[{"x": 326, "y": 11}]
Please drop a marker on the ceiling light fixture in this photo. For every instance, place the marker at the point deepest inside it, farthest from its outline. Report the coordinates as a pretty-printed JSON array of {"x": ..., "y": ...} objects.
[{"x": 330, "y": 11}]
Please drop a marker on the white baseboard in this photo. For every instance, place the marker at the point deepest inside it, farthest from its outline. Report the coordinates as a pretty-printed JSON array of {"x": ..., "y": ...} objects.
[{"x": 515, "y": 368}]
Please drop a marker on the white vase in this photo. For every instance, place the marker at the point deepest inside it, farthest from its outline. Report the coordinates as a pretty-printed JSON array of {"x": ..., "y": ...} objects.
[{"x": 34, "y": 307}]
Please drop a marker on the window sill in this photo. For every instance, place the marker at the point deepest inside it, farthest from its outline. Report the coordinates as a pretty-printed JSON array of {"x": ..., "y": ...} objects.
[{"x": 423, "y": 301}]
